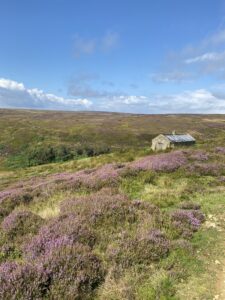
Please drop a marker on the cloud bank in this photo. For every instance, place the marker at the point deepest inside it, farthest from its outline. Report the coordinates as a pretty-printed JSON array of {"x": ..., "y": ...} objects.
[
  {"x": 196, "y": 102},
  {"x": 15, "y": 95}
]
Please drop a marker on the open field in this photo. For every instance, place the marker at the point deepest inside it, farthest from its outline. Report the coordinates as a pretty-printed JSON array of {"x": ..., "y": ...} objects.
[{"x": 120, "y": 223}]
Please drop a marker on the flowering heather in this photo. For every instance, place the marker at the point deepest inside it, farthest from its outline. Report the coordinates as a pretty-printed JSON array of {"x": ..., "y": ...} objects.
[
  {"x": 199, "y": 156},
  {"x": 220, "y": 150},
  {"x": 21, "y": 223},
  {"x": 8, "y": 193},
  {"x": 44, "y": 243},
  {"x": 151, "y": 246},
  {"x": 161, "y": 162},
  {"x": 101, "y": 206},
  {"x": 74, "y": 272},
  {"x": 62, "y": 231},
  {"x": 19, "y": 281},
  {"x": 92, "y": 178},
  {"x": 154, "y": 244},
  {"x": 187, "y": 221},
  {"x": 108, "y": 174},
  {"x": 213, "y": 169}
]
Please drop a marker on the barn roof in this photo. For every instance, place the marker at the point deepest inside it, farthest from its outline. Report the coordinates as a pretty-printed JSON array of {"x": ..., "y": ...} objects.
[{"x": 180, "y": 138}]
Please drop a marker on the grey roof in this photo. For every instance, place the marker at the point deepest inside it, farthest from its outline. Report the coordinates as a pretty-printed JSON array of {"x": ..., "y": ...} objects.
[{"x": 180, "y": 138}]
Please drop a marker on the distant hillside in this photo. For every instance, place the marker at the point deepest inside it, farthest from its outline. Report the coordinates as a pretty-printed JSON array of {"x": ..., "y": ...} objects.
[{"x": 29, "y": 137}]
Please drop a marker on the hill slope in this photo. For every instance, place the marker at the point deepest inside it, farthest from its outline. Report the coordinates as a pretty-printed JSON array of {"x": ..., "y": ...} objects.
[{"x": 122, "y": 225}]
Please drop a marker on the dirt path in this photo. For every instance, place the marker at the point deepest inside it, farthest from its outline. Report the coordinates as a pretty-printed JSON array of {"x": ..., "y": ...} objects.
[
  {"x": 221, "y": 283},
  {"x": 217, "y": 222}
]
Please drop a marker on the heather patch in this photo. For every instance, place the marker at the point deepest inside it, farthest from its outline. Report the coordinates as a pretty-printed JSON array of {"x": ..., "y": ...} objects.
[
  {"x": 22, "y": 281},
  {"x": 74, "y": 271},
  {"x": 107, "y": 175},
  {"x": 205, "y": 169},
  {"x": 220, "y": 150},
  {"x": 186, "y": 222},
  {"x": 20, "y": 223},
  {"x": 61, "y": 231},
  {"x": 162, "y": 162},
  {"x": 104, "y": 206},
  {"x": 145, "y": 249},
  {"x": 94, "y": 217},
  {"x": 199, "y": 155}
]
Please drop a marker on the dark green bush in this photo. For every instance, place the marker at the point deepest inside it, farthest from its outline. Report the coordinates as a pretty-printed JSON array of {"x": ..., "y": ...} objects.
[{"x": 41, "y": 155}]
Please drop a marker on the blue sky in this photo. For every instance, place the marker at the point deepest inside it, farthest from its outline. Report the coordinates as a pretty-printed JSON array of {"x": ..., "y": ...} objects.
[{"x": 139, "y": 56}]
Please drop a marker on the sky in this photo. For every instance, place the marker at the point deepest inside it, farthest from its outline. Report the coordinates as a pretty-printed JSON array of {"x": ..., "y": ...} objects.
[{"x": 135, "y": 56}]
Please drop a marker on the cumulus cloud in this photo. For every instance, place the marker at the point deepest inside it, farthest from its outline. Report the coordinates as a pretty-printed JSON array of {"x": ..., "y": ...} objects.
[
  {"x": 88, "y": 46},
  {"x": 197, "y": 101},
  {"x": 11, "y": 85},
  {"x": 15, "y": 95}
]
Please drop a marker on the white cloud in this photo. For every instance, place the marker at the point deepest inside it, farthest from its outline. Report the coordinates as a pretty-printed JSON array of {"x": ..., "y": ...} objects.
[
  {"x": 124, "y": 103},
  {"x": 131, "y": 100},
  {"x": 206, "y": 57},
  {"x": 197, "y": 101},
  {"x": 11, "y": 85},
  {"x": 16, "y": 95}
]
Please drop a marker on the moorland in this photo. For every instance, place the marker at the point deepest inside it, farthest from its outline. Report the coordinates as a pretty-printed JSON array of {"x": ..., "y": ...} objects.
[{"x": 88, "y": 211}]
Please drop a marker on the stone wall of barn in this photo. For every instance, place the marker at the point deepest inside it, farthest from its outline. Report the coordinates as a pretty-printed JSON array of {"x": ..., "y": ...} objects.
[{"x": 161, "y": 143}]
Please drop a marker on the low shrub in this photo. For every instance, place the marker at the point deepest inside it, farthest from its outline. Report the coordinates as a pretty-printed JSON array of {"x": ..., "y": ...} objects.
[
  {"x": 20, "y": 223},
  {"x": 104, "y": 206},
  {"x": 186, "y": 222},
  {"x": 62, "y": 231},
  {"x": 75, "y": 272},
  {"x": 145, "y": 249},
  {"x": 7, "y": 206},
  {"x": 199, "y": 155},
  {"x": 204, "y": 169},
  {"x": 22, "y": 281},
  {"x": 220, "y": 150},
  {"x": 40, "y": 155},
  {"x": 161, "y": 162}
]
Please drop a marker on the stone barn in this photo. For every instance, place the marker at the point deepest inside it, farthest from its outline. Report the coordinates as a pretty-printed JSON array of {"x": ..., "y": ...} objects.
[{"x": 165, "y": 141}]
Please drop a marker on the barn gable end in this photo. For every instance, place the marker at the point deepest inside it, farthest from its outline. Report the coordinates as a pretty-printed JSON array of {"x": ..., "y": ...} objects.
[
  {"x": 165, "y": 141},
  {"x": 161, "y": 142}
]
